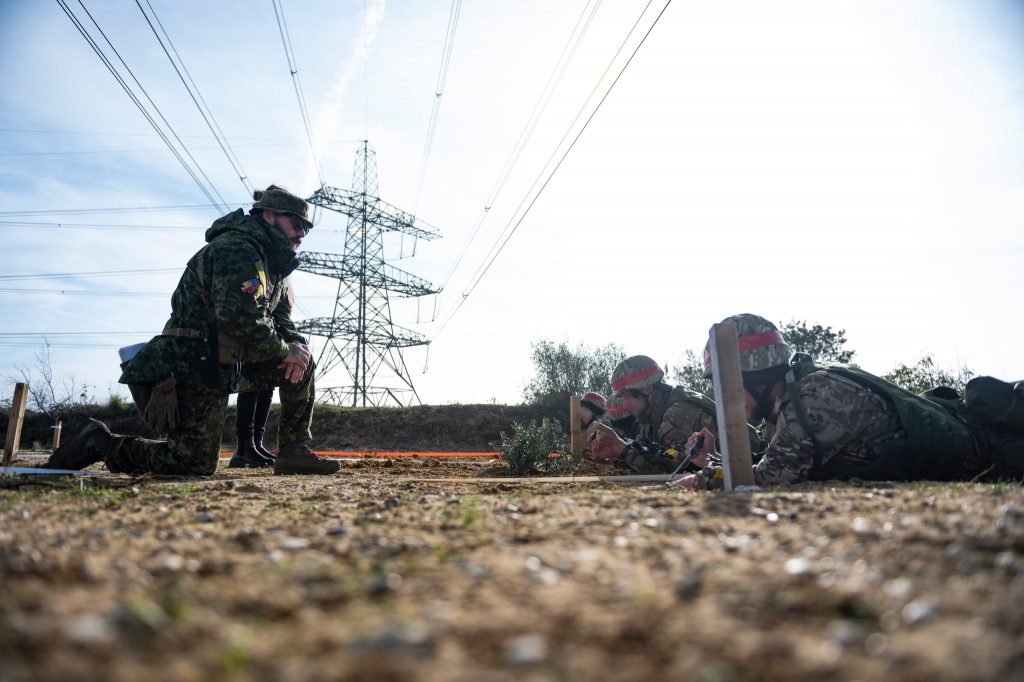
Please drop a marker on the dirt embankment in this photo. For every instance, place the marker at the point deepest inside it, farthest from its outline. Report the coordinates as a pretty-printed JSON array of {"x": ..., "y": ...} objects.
[{"x": 462, "y": 428}]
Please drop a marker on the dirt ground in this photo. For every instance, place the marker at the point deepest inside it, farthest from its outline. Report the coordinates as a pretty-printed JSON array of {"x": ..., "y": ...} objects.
[{"x": 376, "y": 574}]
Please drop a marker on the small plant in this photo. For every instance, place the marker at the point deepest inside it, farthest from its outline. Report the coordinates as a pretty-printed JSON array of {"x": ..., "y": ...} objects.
[{"x": 531, "y": 449}]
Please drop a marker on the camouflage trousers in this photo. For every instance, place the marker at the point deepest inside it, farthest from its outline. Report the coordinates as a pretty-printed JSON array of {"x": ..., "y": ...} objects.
[{"x": 193, "y": 447}]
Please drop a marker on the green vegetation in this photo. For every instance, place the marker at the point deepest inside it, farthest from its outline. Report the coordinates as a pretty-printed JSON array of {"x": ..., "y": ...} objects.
[{"x": 536, "y": 449}]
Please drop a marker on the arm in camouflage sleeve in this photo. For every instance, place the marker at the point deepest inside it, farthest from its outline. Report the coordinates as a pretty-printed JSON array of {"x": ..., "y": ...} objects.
[
  {"x": 682, "y": 420},
  {"x": 283, "y": 316},
  {"x": 238, "y": 287},
  {"x": 789, "y": 456},
  {"x": 637, "y": 459}
]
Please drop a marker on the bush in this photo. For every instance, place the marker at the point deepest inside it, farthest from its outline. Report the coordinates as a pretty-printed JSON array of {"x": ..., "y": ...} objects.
[{"x": 531, "y": 449}]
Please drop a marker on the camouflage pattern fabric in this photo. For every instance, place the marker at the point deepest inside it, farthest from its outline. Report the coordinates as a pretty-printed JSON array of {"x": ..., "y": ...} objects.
[
  {"x": 245, "y": 262},
  {"x": 680, "y": 420},
  {"x": 853, "y": 425},
  {"x": 193, "y": 448}
]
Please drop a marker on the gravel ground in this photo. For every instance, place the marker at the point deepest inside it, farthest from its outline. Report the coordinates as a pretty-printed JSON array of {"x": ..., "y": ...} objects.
[{"x": 376, "y": 574}]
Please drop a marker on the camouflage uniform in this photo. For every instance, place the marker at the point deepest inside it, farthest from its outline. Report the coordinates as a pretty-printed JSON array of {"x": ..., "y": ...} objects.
[
  {"x": 245, "y": 264},
  {"x": 670, "y": 421}
]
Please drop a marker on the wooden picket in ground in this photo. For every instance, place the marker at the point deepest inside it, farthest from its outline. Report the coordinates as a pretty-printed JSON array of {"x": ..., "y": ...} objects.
[
  {"x": 576, "y": 438},
  {"x": 15, "y": 422},
  {"x": 734, "y": 441}
]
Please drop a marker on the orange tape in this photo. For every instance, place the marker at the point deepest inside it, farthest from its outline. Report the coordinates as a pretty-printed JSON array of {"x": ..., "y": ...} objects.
[{"x": 354, "y": 453}]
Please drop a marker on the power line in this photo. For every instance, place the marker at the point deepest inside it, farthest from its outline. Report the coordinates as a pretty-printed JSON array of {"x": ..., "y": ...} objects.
[
  {"x": 485, "y": 267},
  {"x": 95, "y": 273},
  {"x": 554, "y": 78},
  {"x": 50, "y": 131},
  {"x": 293, "y": 69},
  {"x": 194, "y": 93},
  {"x": 7, "y": 335},
  {"x": 138, "y": 103},
  {"x": 112, "y": 292},
  {"x": 68, "y": 152},
  {"x": 16, "y": 224},
  {"x": 442, "y": 77},
  {"x": 119, "y": 209}
]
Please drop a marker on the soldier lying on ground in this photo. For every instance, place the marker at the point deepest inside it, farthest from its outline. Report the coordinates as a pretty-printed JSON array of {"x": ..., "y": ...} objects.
[
  {"x": 592, "y": 408},
  {"x": 226, "y": 321},
  {"x": 619, "y": 418},
  {"x": 843, "y": 423},
  {"x": 665, "y": 416}
]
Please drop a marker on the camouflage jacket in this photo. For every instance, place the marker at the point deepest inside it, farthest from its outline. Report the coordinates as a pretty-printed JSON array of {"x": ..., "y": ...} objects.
[
  {"x": 679, "y": 420},
  {"x": 245, "y": 263},
  {"x": 852, "y": 424}
]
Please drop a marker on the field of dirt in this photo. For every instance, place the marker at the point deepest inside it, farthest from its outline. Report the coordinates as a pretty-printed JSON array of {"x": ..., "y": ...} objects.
[{"x": 378, "y": 574}]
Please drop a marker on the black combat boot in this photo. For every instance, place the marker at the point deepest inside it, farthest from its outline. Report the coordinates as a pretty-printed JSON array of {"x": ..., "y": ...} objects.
[
  {"x": 261, "y": 413},
  {"x": 248, "y": 457},
  {"x": 87, "y": 447},
  {"x": 297, "y": 458},
  {"x": 257, "y": 443}
]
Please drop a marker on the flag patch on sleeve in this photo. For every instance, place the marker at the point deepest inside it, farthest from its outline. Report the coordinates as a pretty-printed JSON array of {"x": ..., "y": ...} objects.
[{"x": 251, "y": 286}]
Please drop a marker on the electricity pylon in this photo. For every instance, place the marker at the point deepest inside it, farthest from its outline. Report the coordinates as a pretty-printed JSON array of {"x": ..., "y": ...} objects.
[{"x": 360, "y": 333}]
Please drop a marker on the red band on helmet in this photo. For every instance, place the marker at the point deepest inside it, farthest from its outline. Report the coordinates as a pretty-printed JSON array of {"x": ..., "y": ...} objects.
[
  {"x": 635, "y": 377},
  {"x": 769, "y": 338},
  {"x": 751, "y": 342}
]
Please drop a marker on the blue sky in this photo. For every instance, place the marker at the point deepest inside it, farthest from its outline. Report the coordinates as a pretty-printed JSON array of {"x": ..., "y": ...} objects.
[{"x": 857, "y": 164}]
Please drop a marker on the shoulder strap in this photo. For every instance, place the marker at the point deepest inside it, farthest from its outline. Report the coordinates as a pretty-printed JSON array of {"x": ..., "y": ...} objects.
[{"x": 204, "y": 286}]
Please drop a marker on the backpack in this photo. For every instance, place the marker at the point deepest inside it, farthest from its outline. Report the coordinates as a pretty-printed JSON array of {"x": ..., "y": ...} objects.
[{"x": 996, "y": 403}]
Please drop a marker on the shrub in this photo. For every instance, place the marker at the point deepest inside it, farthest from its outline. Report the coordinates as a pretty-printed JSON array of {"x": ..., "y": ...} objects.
[{"x": 536, "y": 449}]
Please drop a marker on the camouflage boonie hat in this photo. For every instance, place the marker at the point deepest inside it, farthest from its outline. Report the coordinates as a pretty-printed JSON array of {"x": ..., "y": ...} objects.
[
  {"x": 762, "y": 345},
  {"x": 638, "y": 371},
  {"x": 280, "y": 200},
  {"x": 594, "y": 401}
]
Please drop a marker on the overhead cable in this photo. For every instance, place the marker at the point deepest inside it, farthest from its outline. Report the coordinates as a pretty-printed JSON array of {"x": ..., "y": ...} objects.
[
  {"x": 197, "y": 97},
  {"x": 554, "y": 78},
  {"x": 514, "y": 223},
  {"x": 293, "y": 69},
  {"x": 435, "y": 110},
  {"x": 194, "y": 170}
]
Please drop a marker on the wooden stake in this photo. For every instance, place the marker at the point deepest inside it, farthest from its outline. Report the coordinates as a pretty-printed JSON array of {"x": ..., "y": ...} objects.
[
  {"x": 734, "y": 443},
  {"x": 15, "y": 422},
  {"x": 576, "y": 439},
  {"x": 56, "y": 435}
]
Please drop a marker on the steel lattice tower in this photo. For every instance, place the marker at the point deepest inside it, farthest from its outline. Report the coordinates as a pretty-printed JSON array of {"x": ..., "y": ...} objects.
[{"x": 360, "y": 334}]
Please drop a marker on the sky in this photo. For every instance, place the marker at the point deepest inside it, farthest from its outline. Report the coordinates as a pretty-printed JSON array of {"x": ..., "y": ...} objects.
[{"x": 855, "y": 164}]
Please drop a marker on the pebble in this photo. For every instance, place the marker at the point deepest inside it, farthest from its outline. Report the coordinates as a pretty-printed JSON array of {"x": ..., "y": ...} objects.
[
  {"x": 337, "y": 530},
  {"x": 689, "y": 587},
  {"x": 404, "y": 637},
  {"x": 525, "y": 650},
  {"x": 651, "y": 522},
  {"x": 1013, "y": 513},
  {"x": 172, "y": 563},
  {"x": 205, "y": 517},
  {"x": 385, "y": 584},
  {"x": 89, "y": 630},
  {"x": 453, "y": 499},
  {"x": 918, "y": 612},
  {"x": 846, "y": 633},
  {"x": 898, "y": 588},
  {"x": 620, "y": 542},
  {"x": 392, "y": 502},
  {"x": 862, "y": 526},
  {"x": 294, "y": 543},
  {"x": 797, "y": 566},
  {"x": 476, "y": 571}
]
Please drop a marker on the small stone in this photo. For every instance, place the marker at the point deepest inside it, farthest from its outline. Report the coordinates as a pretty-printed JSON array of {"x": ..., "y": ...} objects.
[
  {"x": 392, "y": 502},
  {"x": 385, "y": 584},
  {"x": 651, "y": 522},
  {"x": 1016, "y": 513},
  {"x": 1004, "y": 561},
  {"x": 797, "y": 566},
  {"x": 862, "y": 526},
  {"x": 620, "y": 542},
  {"x": 533, "y": 564},
  {"x": 293, "y": 543},
  {"x": 453, "y": 499},
  {"x": 771, "y": 517},
  {"x": 845, "y": 633},
  {"x": 525, "y": 650},
  {"x": 402, "y": 638},
  {"x": 898, "y": 588},
  {"x": 876, "y": 644},
  {"x": 89, "y": 630},
  {"x": 689, "y": 587},
  {"x": 476, "y": 571},
  {"x": 162, "y": 509},
  {"x": 172, "y": 563},
  {"x": 205, "y": 517},
  {"x": 918, "y": 611},
  {"x": 337, "y": 530}
]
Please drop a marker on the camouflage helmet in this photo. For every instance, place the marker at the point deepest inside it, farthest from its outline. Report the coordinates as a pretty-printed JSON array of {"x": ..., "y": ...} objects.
[
  {"x": 280, "y": 200},
  {"x": 593, "y": 401},
  {"x": 638, "y": 371},
  {"x": 762, "y": 345},
  {"x": 615, "y": 409}
]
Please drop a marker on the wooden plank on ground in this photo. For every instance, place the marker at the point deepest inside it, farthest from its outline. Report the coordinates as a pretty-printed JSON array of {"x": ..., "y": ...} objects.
[
  {"x": 640, "y": 478},
  {"x": 15, "y": 422},
  {"x": 734, "y": 443}
]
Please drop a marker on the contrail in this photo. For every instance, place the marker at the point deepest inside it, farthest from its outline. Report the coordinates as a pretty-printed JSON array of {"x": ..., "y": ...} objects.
[{"x": 327, "y": 114}]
